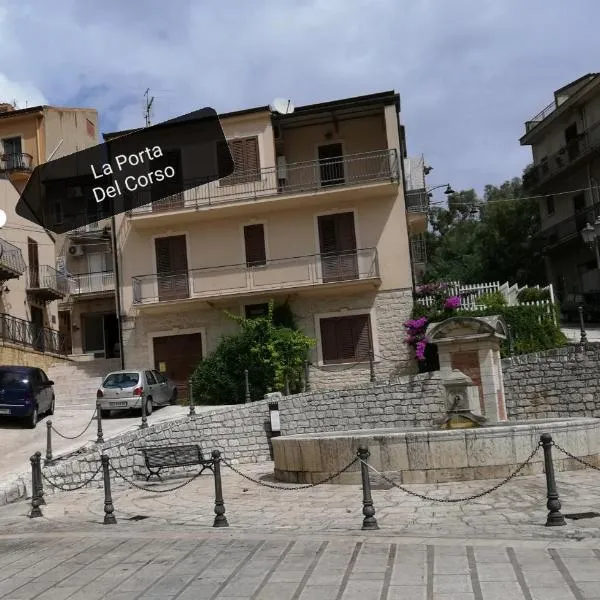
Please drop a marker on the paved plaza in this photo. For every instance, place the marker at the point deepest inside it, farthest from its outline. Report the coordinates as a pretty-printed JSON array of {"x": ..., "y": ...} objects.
[{"x": 304, "y": 544}]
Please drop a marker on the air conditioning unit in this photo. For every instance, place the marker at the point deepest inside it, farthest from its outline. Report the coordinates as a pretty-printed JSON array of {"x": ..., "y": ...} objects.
[{"x": 76, "y": 250}]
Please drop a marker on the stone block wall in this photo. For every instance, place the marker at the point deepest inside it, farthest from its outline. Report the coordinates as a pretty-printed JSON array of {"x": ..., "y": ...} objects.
[
  {"x": 11, "y": 354},
  {"x": 564, "y": 382}
]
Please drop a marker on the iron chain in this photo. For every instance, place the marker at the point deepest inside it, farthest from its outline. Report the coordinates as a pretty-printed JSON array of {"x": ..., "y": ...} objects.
[
  {"x": 145, "y": 489},
  {"x": 466, "y": 498},
  {"x": 63, "y": 488},
  {"x": 278, "y": 487},
  {"x": 579, "y": 460},
  {"x": 66, "y": 437}
]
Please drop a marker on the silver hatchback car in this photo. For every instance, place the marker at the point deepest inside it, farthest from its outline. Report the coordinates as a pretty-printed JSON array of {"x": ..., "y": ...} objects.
[{"x": 124, "y": 390}]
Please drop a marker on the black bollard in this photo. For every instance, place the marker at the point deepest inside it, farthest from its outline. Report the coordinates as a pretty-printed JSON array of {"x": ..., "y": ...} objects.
[
  {"x": 36, "y": 511},
  {"x": 220, "y": 518},
  {"x": 100, "y": 433},
  {"x": 48, "y": 443},
  {"x": 191, "y": 399},
  {"x": 144, "y": 416},
  {"x": 109, "y": 509},
  {"x": 555, "y": 517},
  {"x": 371, "y": 366},
  {"x": 369, "y": 522},
  {"x": 247, "y": 384},
  {"x": 511, "y": 344},
  {"x": 583, "y": 339},
  {"x": 306, "y": 376},
  {"x": 40, "y": 481}
]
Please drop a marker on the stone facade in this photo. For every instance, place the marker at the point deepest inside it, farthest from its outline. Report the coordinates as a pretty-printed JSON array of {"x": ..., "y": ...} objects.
[
  {"x": 11, "y": 354},
  {"x": 389, "y": 311}
]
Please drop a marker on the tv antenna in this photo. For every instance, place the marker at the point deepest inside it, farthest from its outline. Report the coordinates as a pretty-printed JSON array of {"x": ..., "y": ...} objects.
[
  {"x": 282, "y": 106},
  {"x": 149, "y": 102}
]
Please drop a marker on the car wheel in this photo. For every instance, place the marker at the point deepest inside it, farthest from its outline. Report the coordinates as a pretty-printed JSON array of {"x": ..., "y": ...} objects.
[
  {"x": 51, "y": 409},
  {"x": 173, "y": 399},
  {"x": 104, "y": 414},
  {"x": 148, "y": 407},
  {"x": 32, "y": 420}
]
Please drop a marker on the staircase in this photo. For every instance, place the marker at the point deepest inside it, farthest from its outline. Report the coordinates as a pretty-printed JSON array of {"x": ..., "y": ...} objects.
[{"x": 77, "y": 382}]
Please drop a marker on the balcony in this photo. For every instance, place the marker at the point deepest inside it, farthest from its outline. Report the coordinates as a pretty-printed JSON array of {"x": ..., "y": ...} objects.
[
  {"x": 543, "y": 114},
  {"x": 418, "y": 249},
  {"x": 372, "y": 170},
  {"x": 31, "y": 335},
  {"x": 417, "y": 208},
  {"x": 18, "y": 166},
  {"x": 568, "y": 156},
  {"x": 94, "y": 284},
  {"x": 278, "y": 275},
  {"x": 12, "y": 263},
  {"x": 46, "y": 283},
  {"x": 570, "y": 228}
]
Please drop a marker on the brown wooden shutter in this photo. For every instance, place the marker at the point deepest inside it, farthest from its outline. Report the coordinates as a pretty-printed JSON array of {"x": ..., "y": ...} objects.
[
  {"x": 327, "y": 234},
  {"x": 254, "y": 240},
  {"x": 362, "y": 337},
  {"x": 329, "y": 340},
  {"x": 246, "y": 160},
  {"x": 345, "y": 233},
  {"x": 346, "y": 339}
]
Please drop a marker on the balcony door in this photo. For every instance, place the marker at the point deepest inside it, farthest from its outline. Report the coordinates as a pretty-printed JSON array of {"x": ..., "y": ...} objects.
[
  {"x": 34, "y": 263},
  {"x": 337, "y": 240},
  {"x": 572, "y": 141},
  {"x": 331, "y": 164},
  {"x": 172, "y": 268},
  {"x": 12, "y": 148}
]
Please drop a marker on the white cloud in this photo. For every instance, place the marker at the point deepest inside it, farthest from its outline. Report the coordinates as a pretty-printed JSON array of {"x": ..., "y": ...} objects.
[{"x": 23, "y": 93}]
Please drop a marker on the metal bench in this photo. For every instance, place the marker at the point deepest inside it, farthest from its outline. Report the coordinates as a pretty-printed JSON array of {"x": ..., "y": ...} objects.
[{"x": 163, "y": 457}]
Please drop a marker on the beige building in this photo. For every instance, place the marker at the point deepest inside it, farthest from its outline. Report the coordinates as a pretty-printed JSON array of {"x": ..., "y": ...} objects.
[
  {"x": 564, "y": 138},
  {"x": 31, "y": 287},
  {"x": 314, "y": 215}
]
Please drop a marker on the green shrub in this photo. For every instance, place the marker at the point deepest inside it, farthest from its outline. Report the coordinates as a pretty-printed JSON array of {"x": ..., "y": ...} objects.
[
  {"x": 533, "y": 295},
  {"x": 273, "y": 354},
  {"x": 492, "y": 300}
]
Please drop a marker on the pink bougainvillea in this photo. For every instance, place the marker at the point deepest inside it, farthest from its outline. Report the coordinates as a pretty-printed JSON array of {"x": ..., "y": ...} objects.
[{"x": 453, "y": 302}]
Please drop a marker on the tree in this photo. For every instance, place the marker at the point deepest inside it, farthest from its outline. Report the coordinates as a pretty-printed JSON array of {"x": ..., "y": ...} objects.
[
  {"x": 494, "y": 238},
  {"x": 272, "y": 350}
]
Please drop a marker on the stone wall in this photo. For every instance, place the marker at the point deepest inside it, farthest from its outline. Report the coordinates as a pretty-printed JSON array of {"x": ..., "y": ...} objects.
[
  {"x": 11, "y": 354},
  {"x": 564, "y": 382}
]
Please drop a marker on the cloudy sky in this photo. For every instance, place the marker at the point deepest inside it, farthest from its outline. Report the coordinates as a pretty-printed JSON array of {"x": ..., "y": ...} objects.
[{"x": 469, "y": 72}]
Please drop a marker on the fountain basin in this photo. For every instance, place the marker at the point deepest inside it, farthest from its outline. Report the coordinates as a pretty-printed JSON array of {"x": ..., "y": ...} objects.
[{"x": 421, "y": 455}]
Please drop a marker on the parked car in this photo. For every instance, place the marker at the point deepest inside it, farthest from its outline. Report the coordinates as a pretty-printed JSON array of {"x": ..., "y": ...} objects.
[
  {"x": 125, "y": 390},
  {"x": 591, "y": 307},
  {"x": 25, "y": 392}
]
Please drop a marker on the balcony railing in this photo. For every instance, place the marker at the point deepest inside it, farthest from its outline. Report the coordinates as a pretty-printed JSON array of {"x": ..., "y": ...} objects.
[
  {"x": 417, "y": 201},
  {"x": 16, "y": 162},
  {"x": 47, "y": 283},
  {"x": 418, "y": 249},
  {"x": 292, "y": 178},
  {"x": 571, "y": 227},
  {"x": 545, "y": 112},
  {"x": 274, "y": 275},
  {"x": 565, "y": 157},
  {"x": 31, "y": 335},
  {"x": 12, "y": 263},
  {"x": 91, "y": 283}
]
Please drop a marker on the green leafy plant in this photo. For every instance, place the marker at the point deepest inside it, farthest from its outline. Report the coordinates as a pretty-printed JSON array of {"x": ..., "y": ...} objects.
[
  {"x": 273, "y": 354},
  {"x": 492, "y": 300},
  {"x": 533, "y": 295}
]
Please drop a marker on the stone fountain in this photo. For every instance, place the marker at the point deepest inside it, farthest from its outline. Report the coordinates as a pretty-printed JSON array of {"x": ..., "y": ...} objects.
[{"x": 475, "y": 439}]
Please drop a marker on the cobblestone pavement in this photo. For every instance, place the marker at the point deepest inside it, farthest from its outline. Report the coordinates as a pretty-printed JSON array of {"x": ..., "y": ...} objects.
[{"x": 304, "y": 544}]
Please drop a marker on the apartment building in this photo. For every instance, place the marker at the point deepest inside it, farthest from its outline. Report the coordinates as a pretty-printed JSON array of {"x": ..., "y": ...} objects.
[
  {"x": 313, "y": 215},
  {"x": 30, "y": 285},
  {"x": 564, "y": 138},
  {"x": 417, "y": 206}
]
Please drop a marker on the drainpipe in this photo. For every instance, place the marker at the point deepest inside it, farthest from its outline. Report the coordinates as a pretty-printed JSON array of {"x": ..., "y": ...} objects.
[{"x": 113, "y": 239}]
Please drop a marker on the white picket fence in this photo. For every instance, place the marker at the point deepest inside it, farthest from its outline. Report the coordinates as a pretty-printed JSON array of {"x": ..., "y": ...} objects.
[{"x": 470, "y": 293}]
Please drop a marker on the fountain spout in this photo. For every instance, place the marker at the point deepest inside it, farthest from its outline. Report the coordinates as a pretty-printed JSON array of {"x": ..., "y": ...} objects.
[{"x": 461, "y": 403}]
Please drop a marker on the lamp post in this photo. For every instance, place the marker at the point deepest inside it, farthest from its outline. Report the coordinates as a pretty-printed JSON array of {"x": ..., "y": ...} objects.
[
  {"x": 591, "y": 237},
  {"x": 448, "y": 191}
]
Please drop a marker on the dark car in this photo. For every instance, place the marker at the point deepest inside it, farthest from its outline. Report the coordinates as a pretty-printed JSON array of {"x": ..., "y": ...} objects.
[
  {"x": 25, "y": 392},
  {"x": 590, "y": 302}
]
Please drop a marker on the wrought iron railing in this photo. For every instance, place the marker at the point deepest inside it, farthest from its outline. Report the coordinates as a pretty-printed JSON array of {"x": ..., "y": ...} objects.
[
  {"x": 16, "y": 162},
  {"x": 91, "y": 283},
  {"x": 417, "y": 201},
  {"x": 11, "y": 258},
  {"x": 47, "y": 278},
  {"x": 276, "y": 274},
  {"x": 545, "y": 112},
  {"x": 31, "y": 335},
  {"x": 571, "y": 227},
  {"x": 292, "y": 178},
  {"x": 562, "y": 159},
  {"x": 418, "y": 249}
]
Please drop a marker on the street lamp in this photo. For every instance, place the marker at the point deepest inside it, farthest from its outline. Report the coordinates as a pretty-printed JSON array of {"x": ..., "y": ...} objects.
[
  {"x": 591, "y": 237},
  {"x": 448, "y": 191}
]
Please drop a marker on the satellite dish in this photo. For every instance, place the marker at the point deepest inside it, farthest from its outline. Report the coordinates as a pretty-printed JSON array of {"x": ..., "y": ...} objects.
[
  {"x": 282, "y": 106},
  {"x": 2, "y": 218}
]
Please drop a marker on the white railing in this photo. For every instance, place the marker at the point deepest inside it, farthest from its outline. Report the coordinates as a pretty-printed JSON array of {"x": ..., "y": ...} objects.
[{"x": 91, "y": 283}]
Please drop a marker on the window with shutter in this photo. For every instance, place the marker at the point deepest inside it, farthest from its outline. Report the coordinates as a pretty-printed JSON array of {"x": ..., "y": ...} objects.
[
  {"x": 246, "y": 158},
  {"x": 254, "y": 243},
  {"x": 346, "y": 339},
  {"x": 171, "y": 267}
]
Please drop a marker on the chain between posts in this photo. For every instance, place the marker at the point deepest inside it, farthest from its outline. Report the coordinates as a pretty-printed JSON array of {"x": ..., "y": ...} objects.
[
  {"x": 146, "y": 489},
  {"x": 291, "y": 489},
  {"x": 466, "y": 498},
  {"x": 579, "y": 460},
  {"x": 63, "y": 488},
  {"x": 66, "y": 437}
]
